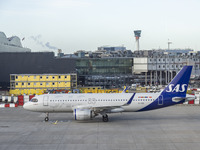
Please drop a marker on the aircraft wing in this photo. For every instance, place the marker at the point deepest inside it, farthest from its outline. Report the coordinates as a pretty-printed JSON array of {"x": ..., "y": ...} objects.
[{"x": 101, "y": 108}]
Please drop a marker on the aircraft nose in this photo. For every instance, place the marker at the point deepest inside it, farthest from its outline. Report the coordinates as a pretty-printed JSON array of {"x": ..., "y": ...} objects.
[{"x": 25, "y": 106}]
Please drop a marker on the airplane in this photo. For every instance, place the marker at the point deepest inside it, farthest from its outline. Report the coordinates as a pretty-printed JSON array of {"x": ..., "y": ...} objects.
[{"x": 87, "y": 106}]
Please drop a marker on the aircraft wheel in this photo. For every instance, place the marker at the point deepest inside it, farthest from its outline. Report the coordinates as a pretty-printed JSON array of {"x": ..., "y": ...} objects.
[
  {"x": 46, "y": 119},
  {"x": 105, "y": 118}
]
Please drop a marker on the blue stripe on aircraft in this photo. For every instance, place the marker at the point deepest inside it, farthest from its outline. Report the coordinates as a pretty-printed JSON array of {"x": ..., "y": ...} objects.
[
  {"x": 155, "y": 105},
  {"x": 75, "y": 114},
  {"x": 131, "y": 99}
]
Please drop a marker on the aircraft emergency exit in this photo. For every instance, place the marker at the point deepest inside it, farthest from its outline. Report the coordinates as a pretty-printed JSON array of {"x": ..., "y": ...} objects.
[{"x": 87, "y": 106}]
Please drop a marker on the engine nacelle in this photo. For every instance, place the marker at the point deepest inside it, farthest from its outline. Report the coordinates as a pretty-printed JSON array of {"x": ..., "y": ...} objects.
[{"x": 83, "y": 114}]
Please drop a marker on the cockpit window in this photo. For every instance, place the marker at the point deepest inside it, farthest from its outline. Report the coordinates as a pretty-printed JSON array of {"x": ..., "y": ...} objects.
[{"x": 34, "y": 100}]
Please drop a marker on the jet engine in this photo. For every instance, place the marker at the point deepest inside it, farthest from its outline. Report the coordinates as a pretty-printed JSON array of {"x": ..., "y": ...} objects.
[{"x": 83, "y": 114}]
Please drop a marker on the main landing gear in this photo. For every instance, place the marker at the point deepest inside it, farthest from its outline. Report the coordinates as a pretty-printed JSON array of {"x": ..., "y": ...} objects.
[
  {"x": 47, "y": 117},
  {"x": 105, "y": 118}
]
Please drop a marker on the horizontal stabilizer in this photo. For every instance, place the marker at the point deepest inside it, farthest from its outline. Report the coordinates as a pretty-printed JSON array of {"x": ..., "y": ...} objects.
[
  {"x": 178, "y": 99},
  {"x": 187, "y": 98}
]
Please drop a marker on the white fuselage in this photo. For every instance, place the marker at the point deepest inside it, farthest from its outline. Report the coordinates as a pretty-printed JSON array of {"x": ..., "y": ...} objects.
[{"x": 67, "y": 102}]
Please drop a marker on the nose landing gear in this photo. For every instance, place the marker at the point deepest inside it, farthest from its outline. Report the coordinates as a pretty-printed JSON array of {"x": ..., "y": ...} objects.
[{"x": 47, "y": 117}]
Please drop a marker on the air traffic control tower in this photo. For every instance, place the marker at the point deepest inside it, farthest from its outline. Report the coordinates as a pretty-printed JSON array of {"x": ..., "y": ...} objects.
[{"x": 137, "y": 37}]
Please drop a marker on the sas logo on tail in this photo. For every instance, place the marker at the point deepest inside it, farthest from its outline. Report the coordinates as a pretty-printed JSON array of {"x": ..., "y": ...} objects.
[{"x": 177, "y": 88}]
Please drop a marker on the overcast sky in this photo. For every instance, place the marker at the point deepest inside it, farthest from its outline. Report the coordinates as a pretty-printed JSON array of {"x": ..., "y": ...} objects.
[{"x": 73, "y": 25}]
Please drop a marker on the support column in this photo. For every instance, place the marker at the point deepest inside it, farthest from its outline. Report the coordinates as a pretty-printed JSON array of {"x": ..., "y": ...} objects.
[
  {"x": 150, "y": 78},
  {"x": 146, "y": 78},
  {"x": 160, "y": 77},
  {"x": 156, "y": 77},
  {"x": 171, "y": 75},
  {"x": 168, "y": 77}
]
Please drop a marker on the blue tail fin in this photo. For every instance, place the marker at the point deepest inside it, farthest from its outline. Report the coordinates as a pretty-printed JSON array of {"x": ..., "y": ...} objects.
[{"x": 178, "y": 86}]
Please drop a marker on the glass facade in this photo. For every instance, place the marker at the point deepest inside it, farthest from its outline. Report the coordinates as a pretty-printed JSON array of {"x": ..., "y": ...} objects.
[
  {"x": 117, "y": 81},
  {"x": 105, "y": 72},
  {"x": 104, "y": 66}
]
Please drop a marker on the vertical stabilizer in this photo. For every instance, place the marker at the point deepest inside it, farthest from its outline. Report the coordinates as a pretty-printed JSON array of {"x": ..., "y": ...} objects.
[
  {"x": 178, "y": 86},
  {"x": 176, "y": 90}
]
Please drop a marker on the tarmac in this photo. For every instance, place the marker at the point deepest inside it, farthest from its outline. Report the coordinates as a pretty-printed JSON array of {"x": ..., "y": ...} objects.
[{"x": 172, "y": 128}]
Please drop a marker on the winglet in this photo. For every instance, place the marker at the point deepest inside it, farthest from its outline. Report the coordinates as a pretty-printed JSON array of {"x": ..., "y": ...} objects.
[
  {"x": 125, "y": 88},
  {"x": 130, "y": 100}
]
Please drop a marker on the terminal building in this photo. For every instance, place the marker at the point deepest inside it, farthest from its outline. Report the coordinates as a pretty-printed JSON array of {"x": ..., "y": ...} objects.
[
  {"x": 147, "y": 67},
  {"x": 144, "y": 67},
  {"x": 105, "y": 72},
  {"x": 159, "y": 67}
]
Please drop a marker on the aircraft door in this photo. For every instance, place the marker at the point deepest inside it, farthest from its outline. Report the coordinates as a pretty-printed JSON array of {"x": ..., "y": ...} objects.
[
  {"x": 91, "y": 100},
  {"x": 45, "y": 100},
  {"x": 160, "y": 100}
]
